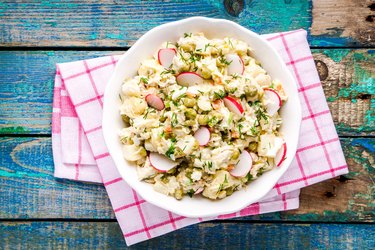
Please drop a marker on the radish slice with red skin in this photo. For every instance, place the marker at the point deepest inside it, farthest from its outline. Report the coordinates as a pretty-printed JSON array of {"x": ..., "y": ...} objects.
[
  {"x": 161, "y": 162},
  {"x": 202, "y": 135},
  {"x": 189, "y": 79},
  {"x": 154, "y": 101},
  {"x": 273, "y": 101},
  {"x": 280, "y": 155},
  {"x": 165, "y": 57},
  {"x": 236, "y": 65},
  {"x": 243, "y": 166},
  {"x": 233, "y": 105}
]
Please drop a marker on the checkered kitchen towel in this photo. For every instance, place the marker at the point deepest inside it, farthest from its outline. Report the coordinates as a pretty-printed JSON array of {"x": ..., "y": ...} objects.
[{"x": 80, "y": 153}]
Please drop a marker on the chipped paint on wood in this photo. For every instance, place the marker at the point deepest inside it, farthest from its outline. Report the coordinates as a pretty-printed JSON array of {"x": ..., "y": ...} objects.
[
  {"x": 348, "y": 82},
  {"x": 343, "y": 22},
  {"x": 349, "y": 196}
]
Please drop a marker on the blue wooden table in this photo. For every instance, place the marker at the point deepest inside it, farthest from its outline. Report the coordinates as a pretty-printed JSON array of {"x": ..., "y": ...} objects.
[{"x": 39, "y": 211}]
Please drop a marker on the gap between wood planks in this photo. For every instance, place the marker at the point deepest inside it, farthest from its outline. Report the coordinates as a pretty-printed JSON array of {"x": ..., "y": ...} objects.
[{"x": 216, "y": 221}]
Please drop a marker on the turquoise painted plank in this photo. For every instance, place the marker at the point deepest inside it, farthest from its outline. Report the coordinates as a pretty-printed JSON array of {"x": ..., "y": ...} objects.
[
  {"x": 120, "y": 23},
  {"x": 26, "y": 83},
  {"x": 26, "y": 88},
  {"x": 29, "y": 190},
  {"x": 107, "y": 235}
]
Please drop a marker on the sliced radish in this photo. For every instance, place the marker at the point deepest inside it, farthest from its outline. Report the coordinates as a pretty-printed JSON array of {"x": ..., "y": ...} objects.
[
  {"x": 236, "y": 65},
  {"x": 233, "y": 105},
  {"x": 273, "y": 101},
  {"x": 199, "y": 190},
  {"x": 189, "y": 79},
  {"x": 203, "y": 136},
  {"x": 154, "y": 101},
  {"x": 165, "y": 57},
  {"x": 243, "y": 166},
  {"x": 281, "y": 155},
  {"x": 161, "y": 162}
]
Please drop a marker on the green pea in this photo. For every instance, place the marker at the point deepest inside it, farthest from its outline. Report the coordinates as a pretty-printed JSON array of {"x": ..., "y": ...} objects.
[
  {"x": 189, "y": 123},
  {"x": 229, "y": 191},
  {"x": 178, "y": 194},
  {"x": 203, "y": 119},
  {"x": 190, "y": 114},
  {"x": 189, "y": 102},
  {"x": 178, "y": 153},
  {"x": 172, "y": 171},
  {"x": 143, "y": 152},
  {"x": 125, "y": 118},
  {"x": 235, "y": 155},
  {"x": 162, "y": 118},
  {"x": 253, "y": 146},
  {"x": 219, "y": 116},
  {"x": 251, "y": 91}
]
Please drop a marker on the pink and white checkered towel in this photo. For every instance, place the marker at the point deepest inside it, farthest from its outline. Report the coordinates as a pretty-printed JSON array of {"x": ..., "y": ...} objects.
[{"x": 80, "y": 153}]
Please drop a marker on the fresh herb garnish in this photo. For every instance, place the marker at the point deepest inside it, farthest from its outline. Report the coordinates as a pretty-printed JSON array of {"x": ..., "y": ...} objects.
[
  {"x": 168, "y": 71},
  {"x": 170, "y": 150},
  {"x": 208, "y": 164},
  {"x": 260, "y": 114},
  {"x": 187, "y": 35},
  {"x": 233, "y": 90},
  {"x": 240, "y": 126},
  {"x": 225, "y": 180},
  {"x": 144, "y": 80},
  {"x": 174, "y": 120},
  {"x": 222, "y": 60},
  {"x": 212, "y": 121},
  {"x": 182, "y": 57},
  {"x": 190, "y": 193},
  {"x": 119, "y": 95},
  {"x": 220, "y": 94},
  {"x": 230, "y": 43},
  {"x": 235, "y": 76},
  {"x": 249, "y": 177}
]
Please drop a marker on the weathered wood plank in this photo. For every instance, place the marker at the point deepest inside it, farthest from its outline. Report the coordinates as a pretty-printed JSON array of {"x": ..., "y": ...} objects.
[
  {"x": 26, "y": 177},
  {"x": 26, "y": 88},
  {"x": 343, "y": 22},
  {"x": 107, "y": 235},
  {"x": 26, "y": 82},
  {"x": 118, "y": 24},
  {"x": 348, "y": 78},
  {"x": 113, "y": 24}
]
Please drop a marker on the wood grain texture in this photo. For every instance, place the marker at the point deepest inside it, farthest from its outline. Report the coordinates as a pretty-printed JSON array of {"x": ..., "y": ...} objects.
[
  {"x": 26, "y": 88},
  {"x": 26, "y": 83},
  {"x": 348, "y": 78},
  {"x": 345, "y": 22},
  {"x": 120, "y": 23},
  {"x": 26, "y": 177},
  {"x": 84, "y": 235}
]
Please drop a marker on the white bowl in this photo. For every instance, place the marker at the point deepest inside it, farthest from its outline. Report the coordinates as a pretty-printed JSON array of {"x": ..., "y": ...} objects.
[{"x": 144, "y": 48}]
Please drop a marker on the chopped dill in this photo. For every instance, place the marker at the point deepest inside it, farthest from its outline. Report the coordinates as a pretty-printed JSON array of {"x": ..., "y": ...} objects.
[
  {"x": 219, "y": 95},
  {"x": 170, "y": 150},
  {"x": 174, "y": 120},
  {"x": 222, "y": 60},
  {"x": 144, "y": 80},
  {"x": 168, "y": 71}
]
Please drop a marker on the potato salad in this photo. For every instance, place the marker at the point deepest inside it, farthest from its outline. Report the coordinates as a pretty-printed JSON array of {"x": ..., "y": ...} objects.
[{"x": 201, "y": 117}]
